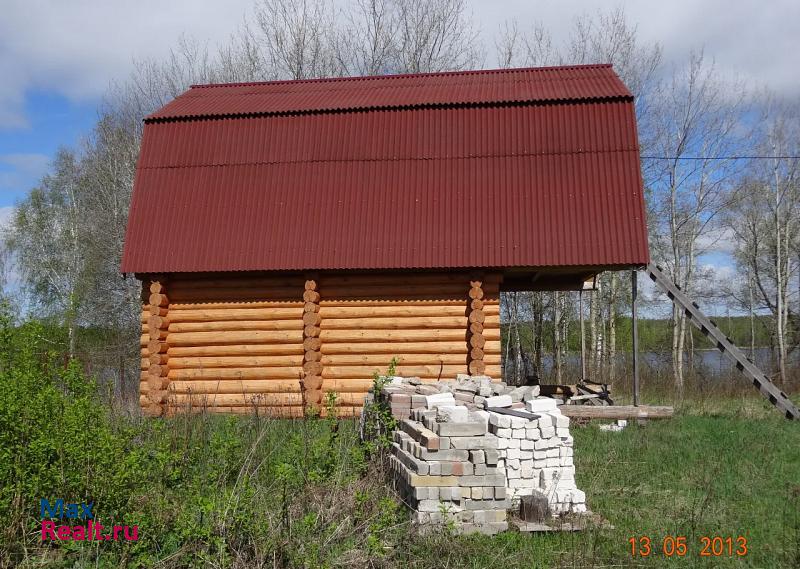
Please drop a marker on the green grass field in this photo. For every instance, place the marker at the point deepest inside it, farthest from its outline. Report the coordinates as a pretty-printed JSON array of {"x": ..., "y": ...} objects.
[{"x": 216, "y": 491}]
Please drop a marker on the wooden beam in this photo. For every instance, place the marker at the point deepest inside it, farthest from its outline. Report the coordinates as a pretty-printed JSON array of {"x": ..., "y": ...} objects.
[{"x": 616, "y": 412}]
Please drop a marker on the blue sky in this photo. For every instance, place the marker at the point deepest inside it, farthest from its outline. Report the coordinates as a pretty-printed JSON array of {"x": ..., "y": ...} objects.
[
  {"x": 25, "y": 153},
  {"x": 57, "y": 59}
]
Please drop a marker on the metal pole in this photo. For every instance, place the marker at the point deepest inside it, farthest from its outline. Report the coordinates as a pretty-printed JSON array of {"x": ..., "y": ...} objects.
[
  {"x": 635, "y": 336},
  {"x": 583, "y": 337}
]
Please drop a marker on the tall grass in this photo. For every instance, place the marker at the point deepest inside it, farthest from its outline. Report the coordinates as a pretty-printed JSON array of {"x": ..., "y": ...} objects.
[{"x": 249, "y": 491}]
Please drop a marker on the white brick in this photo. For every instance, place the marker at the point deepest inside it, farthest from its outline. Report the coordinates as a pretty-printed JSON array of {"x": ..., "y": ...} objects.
[
  {"x": 541, "y": 405},
  {"x": 502, "y": 421},
  {"x": 439, "y": 399},
  {"x": 498, "y": 401},
  {"x": 548, "y": 432},
  {"x": 452, "y": 414},
  {"x": 518, "y": 423}
]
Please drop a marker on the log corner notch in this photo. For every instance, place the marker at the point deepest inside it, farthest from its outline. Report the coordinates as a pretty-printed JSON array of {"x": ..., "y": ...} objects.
[
  {"x": 157, "y": 324},
  {"x": 476, "y": 318},
  {"x": 311, "y": 384}
]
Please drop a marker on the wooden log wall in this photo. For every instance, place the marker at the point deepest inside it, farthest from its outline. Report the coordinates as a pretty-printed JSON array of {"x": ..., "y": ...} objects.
[{"x": 278, "y": 344}]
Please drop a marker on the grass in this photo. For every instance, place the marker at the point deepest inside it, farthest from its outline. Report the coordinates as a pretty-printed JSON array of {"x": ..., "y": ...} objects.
[
  {"x": 693, "y": 476},
  {"x": 215, "y": 491}
]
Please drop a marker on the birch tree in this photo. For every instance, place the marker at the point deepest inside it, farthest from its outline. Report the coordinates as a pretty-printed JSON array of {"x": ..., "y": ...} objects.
[
  {"x": 697, "y": 120},
  {"x": 46, "y": 238}
]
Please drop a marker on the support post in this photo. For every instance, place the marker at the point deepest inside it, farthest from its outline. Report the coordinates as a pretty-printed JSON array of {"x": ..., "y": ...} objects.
[
  {"x": 311, "y": 384},
  {"x": 635, "y": 335},
  {"x": 476, "y": 318},
  {"x": 583, "y": 336},
  {"x": 158, "y": 329}
]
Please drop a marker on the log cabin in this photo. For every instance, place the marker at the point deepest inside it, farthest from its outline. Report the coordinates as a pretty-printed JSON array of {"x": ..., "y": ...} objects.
[{"x": 292, "y": 237}]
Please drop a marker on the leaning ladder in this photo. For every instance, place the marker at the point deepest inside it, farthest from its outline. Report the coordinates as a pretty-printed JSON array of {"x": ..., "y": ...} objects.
[{"x": 707, "y": 326}]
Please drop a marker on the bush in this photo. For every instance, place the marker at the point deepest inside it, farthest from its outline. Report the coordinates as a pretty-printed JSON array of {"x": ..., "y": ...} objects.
[{"x": 202, "y": 489}]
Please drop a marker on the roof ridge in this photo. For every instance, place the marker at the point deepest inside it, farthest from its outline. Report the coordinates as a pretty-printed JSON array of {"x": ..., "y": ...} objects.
[
  {"x": 400, "y": 107},
  {"x": 402, "y": 76}
]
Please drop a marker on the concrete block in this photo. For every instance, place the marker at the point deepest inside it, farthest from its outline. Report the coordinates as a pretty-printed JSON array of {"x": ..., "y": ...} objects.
[
  {"x": 452, "y": 414},
  {"x": 487, "y": 480},
  {"x": 492, "y": 456},
  {"x": 479, "y": 469},
  {"x": 512, "y": 453},
  {"x": 548, "y": 432},
  {"x": 526, "y": 444},
  {"x": 477, "y": 456},
  {"x": 533, "y": 393},
  {"x": 562, "y": 421},
  {"x": 435, "y": 468},
  {"x": 514, "y": 443},
  {"x": 541, "y": 405},
  {"x": 486, "y": 504},
  {"x": 489, "y": 516},
  {"x": 471, "y": 429},
  {"x": 498, "y": 401},
  {"x": 518, "y": 433},
  {"x": 477, "y": 493},
  {"x": 439, "y": 399},
  {"x": 473, "y": 443},
  {"x": 498, "y": 420},
  {"x": 480, "y": 415},
  {"x": 499, "y": 492},
  {"x": 421, "y": 434},
  {"x": 438, "y": 481},
  {"x": 503, "y": 432},
  {"x": 519, "y": 423}
]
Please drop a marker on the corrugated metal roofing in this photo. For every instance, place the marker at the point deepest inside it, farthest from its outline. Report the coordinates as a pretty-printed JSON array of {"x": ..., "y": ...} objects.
[
  {"x": 541, "y": 84},
  {"x": 390, "y": 173}
]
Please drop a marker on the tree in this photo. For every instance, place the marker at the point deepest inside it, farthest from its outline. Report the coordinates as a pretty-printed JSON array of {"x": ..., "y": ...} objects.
[
  {"x": 46, "y": 238},
  {"x": 697, "y": 124},
  {"x": 765, "y": 221}
]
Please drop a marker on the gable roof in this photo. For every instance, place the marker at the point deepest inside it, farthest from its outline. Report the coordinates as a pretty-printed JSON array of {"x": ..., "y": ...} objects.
[{"x": 503, "y": 168}]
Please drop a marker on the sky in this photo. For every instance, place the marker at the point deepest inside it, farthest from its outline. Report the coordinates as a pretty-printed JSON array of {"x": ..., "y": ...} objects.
[{"x": 59, "y": 57}]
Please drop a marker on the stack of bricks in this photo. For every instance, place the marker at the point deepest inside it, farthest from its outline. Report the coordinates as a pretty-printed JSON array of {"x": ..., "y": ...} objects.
[
  {"x": 537, "y": 455},
  {"x": 446, "y": 467},
  {"x": 467, "y": 450}
]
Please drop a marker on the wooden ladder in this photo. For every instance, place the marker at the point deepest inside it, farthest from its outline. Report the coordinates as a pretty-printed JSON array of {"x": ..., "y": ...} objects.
[{"x": 724, "y": 344}]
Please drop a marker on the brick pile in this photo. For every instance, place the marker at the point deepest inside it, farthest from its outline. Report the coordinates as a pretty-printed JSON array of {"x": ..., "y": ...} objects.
[{"x": 467, "y": 450}]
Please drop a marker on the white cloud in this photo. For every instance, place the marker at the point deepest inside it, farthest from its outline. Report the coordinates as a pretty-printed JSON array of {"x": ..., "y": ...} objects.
[
  {"x": 19, "y": 172},
  {"x": 76, "y": 48},
  {"x": 719, "y": 240},
  {"x": 756, "y": 40}
]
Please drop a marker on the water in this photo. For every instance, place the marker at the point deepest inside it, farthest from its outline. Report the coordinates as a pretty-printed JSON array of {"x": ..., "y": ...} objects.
[{"x": 708, "y": 362}]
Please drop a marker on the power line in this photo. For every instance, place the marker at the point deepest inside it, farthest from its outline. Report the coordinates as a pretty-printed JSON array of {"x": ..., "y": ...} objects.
[{"x": 721, "y": 157}]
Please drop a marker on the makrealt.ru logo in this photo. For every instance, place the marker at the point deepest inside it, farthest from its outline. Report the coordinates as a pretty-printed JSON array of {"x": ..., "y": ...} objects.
[
  {"x": 70, "y": 512},
  {"x": 61, "y": 510}
]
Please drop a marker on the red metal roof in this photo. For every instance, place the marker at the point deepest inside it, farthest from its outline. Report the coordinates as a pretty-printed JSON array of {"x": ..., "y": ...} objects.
[{"x": 509, "y": 168}]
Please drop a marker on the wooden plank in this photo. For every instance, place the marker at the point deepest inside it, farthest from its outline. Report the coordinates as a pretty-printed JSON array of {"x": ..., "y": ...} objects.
[
  {"x": 236, "y": 350},
  {"x": 236, "y": 386},
  {"x": 616, "y": 412}
]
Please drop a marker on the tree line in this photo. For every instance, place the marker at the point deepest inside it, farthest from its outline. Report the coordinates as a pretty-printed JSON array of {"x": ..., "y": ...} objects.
[{"x": 719, "y": 163}]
